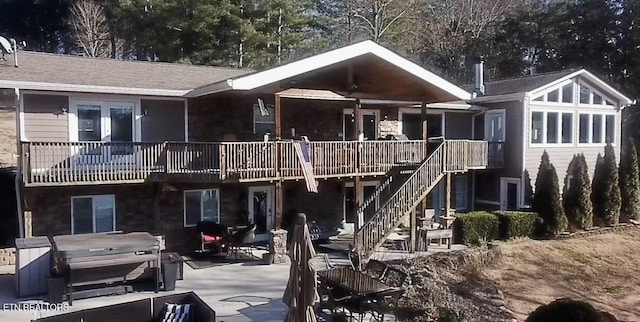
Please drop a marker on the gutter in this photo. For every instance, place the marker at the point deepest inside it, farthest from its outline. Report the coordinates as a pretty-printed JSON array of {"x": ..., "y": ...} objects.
[{"x": 18, "y": 178}]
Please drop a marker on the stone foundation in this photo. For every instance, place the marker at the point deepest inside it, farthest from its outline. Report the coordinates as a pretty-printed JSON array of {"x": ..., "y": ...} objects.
[
  {"x": 278, "y": 246},
  {"x": 7, "y": 256}
]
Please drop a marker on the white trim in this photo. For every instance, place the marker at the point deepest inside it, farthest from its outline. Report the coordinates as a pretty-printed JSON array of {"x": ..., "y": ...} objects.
[
  {"x": 487, "y": 115},
  {"x": 557, "y": 87},
  {"x": 603, "y": 129},
  {"x": 39, "y": 86},
  {"x": 20, "y": 108},
  {"x": 499, "y": 98},
  {"x": 184, "y": 205},
  {"x": 271, "y": 219},
  {"x": 103, "y": 96},
  {"x": 105, "y": 105},
  {"x": 350, "y": 184},
  {"x": 488, "y": 202},
  {"x": 329, "y": 58},
  {"x": 623, "y": 100},
  {"x": 93, "y": 214},
  {"x": 545, "y": 113},
  {"x": 503, "y": 191}
]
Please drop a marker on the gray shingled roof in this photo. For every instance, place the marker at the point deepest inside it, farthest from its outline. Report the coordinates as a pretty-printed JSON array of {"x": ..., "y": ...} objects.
[
  {"x": 76, "y": 70},
  {"x": 519, "y": 84}
]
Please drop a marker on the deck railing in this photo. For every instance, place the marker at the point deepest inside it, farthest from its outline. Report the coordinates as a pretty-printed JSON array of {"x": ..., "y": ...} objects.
[{"x": 47, "y": 163}]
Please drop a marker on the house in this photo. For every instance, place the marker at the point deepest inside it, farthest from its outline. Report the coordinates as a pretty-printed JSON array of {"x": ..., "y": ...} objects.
[
  {"x": 138, "y": 146},
  {"x": 564, "y": 113}
]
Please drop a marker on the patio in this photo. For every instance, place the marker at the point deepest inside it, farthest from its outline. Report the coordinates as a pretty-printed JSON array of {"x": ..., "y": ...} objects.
[{"x": 238, "y": 292}]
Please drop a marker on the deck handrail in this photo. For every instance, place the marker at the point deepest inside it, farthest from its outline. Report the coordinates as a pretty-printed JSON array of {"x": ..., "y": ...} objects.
[{"x": 373, "y": 232}]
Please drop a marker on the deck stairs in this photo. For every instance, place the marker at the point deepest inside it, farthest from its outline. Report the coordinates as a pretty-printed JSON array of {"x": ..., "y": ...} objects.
[{"x": 402, "y": 198}]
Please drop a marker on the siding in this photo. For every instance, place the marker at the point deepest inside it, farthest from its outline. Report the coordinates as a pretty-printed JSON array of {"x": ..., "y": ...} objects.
[
  {"x": 513, "y": 138},
  {"x": 43, "y": 120},
  {"x": 560, "y": 156},
  {"x": 458, "y": 125},
  {"x": 163, "y": 121}
]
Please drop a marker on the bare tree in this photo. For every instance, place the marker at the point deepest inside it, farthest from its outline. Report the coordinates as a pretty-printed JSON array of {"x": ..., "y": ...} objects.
[
  {"x": 90, "y": 30},
  {"x": 377, "y": 17}
]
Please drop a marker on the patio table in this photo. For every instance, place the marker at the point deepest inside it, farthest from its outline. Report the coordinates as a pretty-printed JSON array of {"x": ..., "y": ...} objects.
[{"x": 353, "y": 281}]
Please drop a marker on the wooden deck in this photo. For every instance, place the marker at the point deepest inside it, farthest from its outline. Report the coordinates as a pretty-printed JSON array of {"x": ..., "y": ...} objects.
[{"x": 85, "y": 163}]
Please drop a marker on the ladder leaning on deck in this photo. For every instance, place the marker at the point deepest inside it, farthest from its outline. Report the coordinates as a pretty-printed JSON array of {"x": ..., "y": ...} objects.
[{"x": 404, "y": 200}]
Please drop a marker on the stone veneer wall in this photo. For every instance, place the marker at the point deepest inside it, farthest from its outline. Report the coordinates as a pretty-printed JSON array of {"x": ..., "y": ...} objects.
[{"x": 7, "y": 256}]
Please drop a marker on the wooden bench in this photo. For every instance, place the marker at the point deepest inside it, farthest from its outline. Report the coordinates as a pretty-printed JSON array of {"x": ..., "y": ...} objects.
[{"x": 426, "y": 235}]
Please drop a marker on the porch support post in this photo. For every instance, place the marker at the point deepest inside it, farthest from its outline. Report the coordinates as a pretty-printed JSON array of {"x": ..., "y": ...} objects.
[
  {"x": 447, "y": 201},
  {"x": 423, "y": 118},
  {"x": 356, "y": 183},
  {"x": 278, "y": 189}
]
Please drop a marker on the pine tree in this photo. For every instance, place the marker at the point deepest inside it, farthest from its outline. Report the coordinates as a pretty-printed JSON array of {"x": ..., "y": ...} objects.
[
  {"x": 576, "y": 198},
  {"x": 546, "y": 199},
  {"x": 569, "y": 195},
  {"x": 629, "y": 183},
  {"x": 606, "y": 189}
]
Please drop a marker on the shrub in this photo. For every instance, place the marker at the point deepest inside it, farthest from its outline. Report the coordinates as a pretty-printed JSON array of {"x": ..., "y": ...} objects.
[
  {"x": 606, "y": 190},
  {"x": 576, "y": 197},
  {"x": 475, "y": 227},
  {"x": 568, "y": 310},
  {"x": 517, "y": 223},
  {"x": 546, "y": 199},
  {"x": 629, "y": 183}
]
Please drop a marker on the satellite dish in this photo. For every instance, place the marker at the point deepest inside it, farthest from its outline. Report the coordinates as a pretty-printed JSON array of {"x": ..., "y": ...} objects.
[{"x": 6, "y": 45}]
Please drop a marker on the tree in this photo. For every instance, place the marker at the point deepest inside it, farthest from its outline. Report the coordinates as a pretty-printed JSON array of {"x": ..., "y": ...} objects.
[
  {"x": 90, "y": 31},
  {"x": 606, "y": 190},
  {"x": 629, "y": 183},
  {"x": 576, "y": 197},
  {"x": 546, "y": 199}
]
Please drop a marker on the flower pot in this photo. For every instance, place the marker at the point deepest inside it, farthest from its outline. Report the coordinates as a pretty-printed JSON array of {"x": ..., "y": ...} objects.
[{"x": 267, "y": 258}]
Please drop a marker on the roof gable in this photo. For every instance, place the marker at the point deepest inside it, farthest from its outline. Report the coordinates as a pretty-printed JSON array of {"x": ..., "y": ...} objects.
[{"x": 331, "y": 58}]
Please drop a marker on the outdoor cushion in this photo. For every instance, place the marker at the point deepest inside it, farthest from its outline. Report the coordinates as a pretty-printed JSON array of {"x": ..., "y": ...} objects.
[
  {"x": 211, "y": 239},
  {"x": 177, "y": 313}
]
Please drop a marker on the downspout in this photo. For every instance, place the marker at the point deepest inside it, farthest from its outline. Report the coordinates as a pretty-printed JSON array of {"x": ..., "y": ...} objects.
[
  {"x": 473, "y": 173},
  {"x": 18, "y": 178},
  {"x": 525, "y": 141}
]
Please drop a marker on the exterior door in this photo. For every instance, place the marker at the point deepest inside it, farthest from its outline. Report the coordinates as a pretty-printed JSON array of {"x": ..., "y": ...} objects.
[
  {"x": 368, "y": 122},
  {"x": 367, "y": 188},
  {"x": 261, "y": 210},
  {"x": 509, "y": 194}
]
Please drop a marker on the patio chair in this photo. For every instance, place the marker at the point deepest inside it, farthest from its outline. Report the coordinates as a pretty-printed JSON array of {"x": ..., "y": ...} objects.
[
  {"x": 211, "y": 234},
  {"x": 375, "y": 269},
  {"x": 386, "y": 301},
  {"x": 242, "y": 238}
]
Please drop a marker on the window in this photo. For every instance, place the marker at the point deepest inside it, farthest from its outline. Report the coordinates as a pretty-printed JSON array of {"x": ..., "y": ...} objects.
[
  {"x": 461, "y": 192},
  {"x": 597, "y": 128},
  {"x": 539, "y": 99},
  {"x": 585, "y": 92},
  {"x": 567, "y": 93},
  {"x": 264, "y": 119},
  {"x": 536, "y": 127},
  {"x": 596, "y": 135},
  {"x": 585, "y": 122},
  {"x": 567, "y": 128},
  {"x": 89, "y": 123},
  {"x": 553, "y": 96},
  {"x": 552, "y": 127},
  {"x": 597, "y": 99},
  {"x": 610, "y": 127},
  {"x": 200, "y": 205},
  {"x": 93, "y": 214}
]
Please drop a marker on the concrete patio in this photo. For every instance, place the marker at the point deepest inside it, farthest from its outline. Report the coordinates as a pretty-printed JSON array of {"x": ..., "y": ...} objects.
[{"x": 238, "y": 292}]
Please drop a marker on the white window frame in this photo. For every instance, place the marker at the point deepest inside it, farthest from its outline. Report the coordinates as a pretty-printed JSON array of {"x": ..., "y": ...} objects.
[
  {"x": 105, "y": 118},
  {"x": 545, "y": 112},
  {"x": 603, "y": 125},
  {"x": 558, "y": 87},
  {"x": 465, "y": 192},
  {"x": 93, "y": 214},
  {"x": 363, "y": 184},
  {"x": 184, "y": 205},
  {"x": 487, "y": 127},
  {"x": 593, "y": 91}
]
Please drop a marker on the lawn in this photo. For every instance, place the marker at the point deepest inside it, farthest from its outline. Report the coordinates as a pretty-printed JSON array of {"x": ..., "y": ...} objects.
[{"x": 602, "y": 269}]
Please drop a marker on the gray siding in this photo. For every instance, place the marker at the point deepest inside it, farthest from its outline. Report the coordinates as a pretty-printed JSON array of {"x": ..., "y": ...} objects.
[
  {"x": 458, "y": 125},
  {"x": 513, "y": 138},
  {"x": 43, "y": 117},
  {"x": 163, "y": 121}
]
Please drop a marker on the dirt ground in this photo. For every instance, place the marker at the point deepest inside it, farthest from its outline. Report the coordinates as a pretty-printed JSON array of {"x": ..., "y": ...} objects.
[
  {"x": 602, "y": 269},
  {"x": 7, "y": 137}
]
